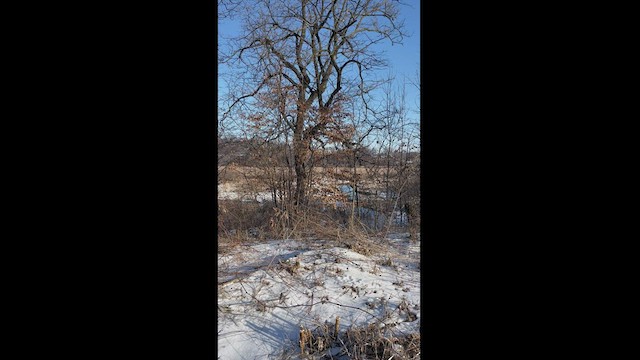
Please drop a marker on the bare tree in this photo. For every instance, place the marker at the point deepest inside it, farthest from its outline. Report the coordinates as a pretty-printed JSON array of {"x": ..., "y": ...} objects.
[
  {"x": 311, "y": 56},
  {"x": 228, "y": 8}
]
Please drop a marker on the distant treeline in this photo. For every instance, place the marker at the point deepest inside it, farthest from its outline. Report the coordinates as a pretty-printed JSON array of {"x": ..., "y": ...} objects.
[{"x": 245, "y": 152}]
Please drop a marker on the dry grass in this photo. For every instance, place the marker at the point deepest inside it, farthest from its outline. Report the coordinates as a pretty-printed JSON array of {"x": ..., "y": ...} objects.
[
  {"x": 241, "y": 222},
  {"x": 335, "y": 225},
  {"x": 227, "y": 242},
  {"x": 234, "y": 173},
  {"x": 373, "y": 341}
]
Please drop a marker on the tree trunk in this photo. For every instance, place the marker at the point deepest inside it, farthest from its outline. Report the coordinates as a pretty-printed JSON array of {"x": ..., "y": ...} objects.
[
  {"x": 301, "y": 179},
  {"x": 300, "y": 149}
]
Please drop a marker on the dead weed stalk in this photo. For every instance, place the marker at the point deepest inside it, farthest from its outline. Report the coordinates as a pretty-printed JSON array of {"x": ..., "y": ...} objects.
[{"x": 372, "y": 341}]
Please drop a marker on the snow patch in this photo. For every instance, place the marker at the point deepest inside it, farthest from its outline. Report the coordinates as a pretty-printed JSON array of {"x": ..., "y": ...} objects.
[{"x": 268, "y": 291}]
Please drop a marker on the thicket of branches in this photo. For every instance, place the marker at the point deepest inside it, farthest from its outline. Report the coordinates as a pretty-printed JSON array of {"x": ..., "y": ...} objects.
[
  {"x": 300, "y": 98},
  {"x": 381, "y": 183}
]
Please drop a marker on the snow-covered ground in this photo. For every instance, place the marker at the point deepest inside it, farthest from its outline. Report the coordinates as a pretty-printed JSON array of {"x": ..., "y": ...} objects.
[
  {"x": 268, "y": 291},
  {"x": 227, "y": 191}
]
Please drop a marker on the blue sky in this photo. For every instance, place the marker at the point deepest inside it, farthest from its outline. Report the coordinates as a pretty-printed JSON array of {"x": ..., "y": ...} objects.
[{"x": 404, "y": 60}]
